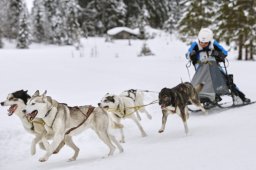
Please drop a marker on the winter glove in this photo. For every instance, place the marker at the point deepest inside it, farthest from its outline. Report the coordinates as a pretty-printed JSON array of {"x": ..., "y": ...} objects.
[
  {"x": 192, "y": 55},
  {"x": 219, "y": 56}
]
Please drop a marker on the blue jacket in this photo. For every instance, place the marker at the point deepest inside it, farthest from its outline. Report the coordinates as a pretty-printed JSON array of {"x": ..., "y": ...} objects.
[{"x": 205, "y": 52}]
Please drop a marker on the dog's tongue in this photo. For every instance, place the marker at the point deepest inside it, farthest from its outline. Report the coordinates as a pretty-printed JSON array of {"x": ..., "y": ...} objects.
[{"x": 12, "y": 109}]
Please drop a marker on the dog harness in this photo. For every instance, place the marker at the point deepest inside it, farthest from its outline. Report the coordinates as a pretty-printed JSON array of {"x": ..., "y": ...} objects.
[{"x": 87, "y": 114}]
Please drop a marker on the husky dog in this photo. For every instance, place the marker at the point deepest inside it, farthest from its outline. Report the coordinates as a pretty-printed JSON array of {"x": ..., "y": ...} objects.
[
  {"x": 175, "y": 100},
  {"x": 138, "y": 98},
  {"x": 120, "y": 107},
  {"x": 64, "y": 122},
  {"x": 17, "y": 102}
]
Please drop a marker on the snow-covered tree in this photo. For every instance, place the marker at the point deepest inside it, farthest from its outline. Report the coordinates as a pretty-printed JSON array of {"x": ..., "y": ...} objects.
[
  {"x": 236, "y": 22},
  {"x": 196, "y": 15},
  {"x": 103, "y": 15},
  {"x": 14, "y": 9},
  {"x": 23, "y": 33},
  {"x": 1, "y": 43},
  {"x": 72, "y": 25},
  {"x": 39, "y": 22},
  {"x": 50, "y": 7},
  {"x": 157, "y": 10},
  {"x": 174, "y": 15},
  {"x": 3, "y": 17},
  {"x": 134, "y": 9},
  {"x": 58, "y": 28}
]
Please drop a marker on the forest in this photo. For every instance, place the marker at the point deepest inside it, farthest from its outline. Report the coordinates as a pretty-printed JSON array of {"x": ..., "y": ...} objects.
[{"x": 64, "y": 22}]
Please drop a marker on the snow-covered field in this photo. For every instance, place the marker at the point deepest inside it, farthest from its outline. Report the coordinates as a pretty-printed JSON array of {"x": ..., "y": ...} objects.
[{"x": 219, "y": 141}]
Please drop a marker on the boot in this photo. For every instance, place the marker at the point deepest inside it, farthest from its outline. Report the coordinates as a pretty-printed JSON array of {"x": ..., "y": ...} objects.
[{"x": 246, "y": 100}]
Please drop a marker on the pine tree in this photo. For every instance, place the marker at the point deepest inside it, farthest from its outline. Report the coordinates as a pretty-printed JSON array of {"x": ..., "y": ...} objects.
[
  {"x": 103, "y": 15},
  {"x": 134, "y": 9},
  {"x": 174, "y": 15},
  {"x": 197, "y": 14},
  {"x": 23, "y": 34},
  {"x": 73, "y": 27},
  {"x": 1, "y": 43},
  {"x": 225, "y": 21},
  {"x": 236, "y": 23},
  {"x": 157, "y": 12},
  {"x": 3, "y": 17},
  {"x": 58, "y": 28},
  {"x": 38, "y": 22},
  {"x": 249, "y": 8},
  {"x": 50, "y": 7},
  {"x": 115, "y": 14},
  {"x": 14, "y": 9}
]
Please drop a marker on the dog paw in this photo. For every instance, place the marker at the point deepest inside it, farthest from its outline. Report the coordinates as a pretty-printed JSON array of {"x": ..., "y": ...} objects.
[
  {"x": 42, "y": 160},
  {"x": 33, "y": 152},
  {"x": 121, "y": 150},
  {"x": 149, "y": 117},
  {"x": 71, "y": 159},
  {"x": 144, "y": 135},
  {"x": 160, "y": 131},
  {"x": 122, "y": 141}
]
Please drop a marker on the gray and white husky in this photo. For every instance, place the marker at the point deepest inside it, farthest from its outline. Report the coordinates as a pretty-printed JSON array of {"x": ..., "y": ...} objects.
[
  {"x": 17, "y": 102},
  {"x": 64, "y": 122},
  {"x": 120, "y": 107}
]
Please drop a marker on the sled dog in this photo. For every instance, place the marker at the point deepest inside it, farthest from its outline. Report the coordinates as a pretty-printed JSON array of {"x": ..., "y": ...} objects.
[
  {"x": 120, "y": 107},
  {"x": 65, "y": 121},
  {"x": 138, "y": 98},
  {"x": 175, "y": 100},
  {"x": 17, "y": 102}
]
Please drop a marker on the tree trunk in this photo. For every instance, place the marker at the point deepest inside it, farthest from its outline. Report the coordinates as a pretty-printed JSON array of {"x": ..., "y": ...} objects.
[
  {"x": 240, "y": 47},
  {"x": 246, "y": 52},
  {"x": 251, "y": 50}
]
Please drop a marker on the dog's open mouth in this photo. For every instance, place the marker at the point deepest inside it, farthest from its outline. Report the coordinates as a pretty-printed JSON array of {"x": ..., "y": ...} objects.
[
  {"x": 32, "y": 115},
  {"x": 163, "y": 106},
  {"x": 106, "y": 107},
  {"x": 12, "y": 109}
]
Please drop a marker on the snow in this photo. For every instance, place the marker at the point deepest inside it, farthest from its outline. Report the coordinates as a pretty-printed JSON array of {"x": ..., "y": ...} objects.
[
  {"x": 29, "y": 4},
  {"x": 220, "y": 141},
  {"x": 117, "y": 30}
]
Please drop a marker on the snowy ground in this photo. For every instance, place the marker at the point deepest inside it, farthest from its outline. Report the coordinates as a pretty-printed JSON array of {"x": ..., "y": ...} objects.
[{"x": 218, "y": 141}]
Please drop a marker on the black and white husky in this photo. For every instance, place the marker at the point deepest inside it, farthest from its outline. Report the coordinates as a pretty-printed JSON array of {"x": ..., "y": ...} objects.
[{"x": 17, "y": 102}]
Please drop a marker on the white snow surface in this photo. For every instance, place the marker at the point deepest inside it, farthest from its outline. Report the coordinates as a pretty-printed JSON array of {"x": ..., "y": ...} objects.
[
  {"x": 117, "y": 30},
  {"x": 218, "y": 141}
]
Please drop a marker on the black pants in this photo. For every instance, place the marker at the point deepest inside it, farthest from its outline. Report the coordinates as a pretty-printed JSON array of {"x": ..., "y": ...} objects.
[{"x": 232, "y": 86}]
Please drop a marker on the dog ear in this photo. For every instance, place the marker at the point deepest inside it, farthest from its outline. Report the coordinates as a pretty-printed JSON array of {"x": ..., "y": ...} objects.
[
  {"x": 36, "y": 93},
  {"x": 44, "y": 93}
]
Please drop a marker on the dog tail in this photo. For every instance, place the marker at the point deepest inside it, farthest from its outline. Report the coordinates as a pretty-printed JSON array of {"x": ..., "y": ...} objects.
[{"x": 199, "y": 87}]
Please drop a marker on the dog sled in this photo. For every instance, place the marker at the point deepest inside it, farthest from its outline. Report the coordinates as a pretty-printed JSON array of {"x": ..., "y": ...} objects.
[{"x": 217, "y": 84}]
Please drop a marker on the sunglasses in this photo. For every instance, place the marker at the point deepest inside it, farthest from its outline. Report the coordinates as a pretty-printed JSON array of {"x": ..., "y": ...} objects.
[{"x": 204, "y": 43}]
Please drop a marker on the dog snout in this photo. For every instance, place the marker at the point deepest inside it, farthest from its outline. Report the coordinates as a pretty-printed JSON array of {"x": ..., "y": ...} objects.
[
  {"x": 2, "y": 103},
  {"x": 99, "y": 104},
  {"x": 24, "y": 111}
]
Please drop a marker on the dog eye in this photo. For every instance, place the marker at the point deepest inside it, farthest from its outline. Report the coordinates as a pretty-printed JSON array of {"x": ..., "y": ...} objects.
[
  {"x": 10, "y": 98},
  {"x": 32, "y": 103}
]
